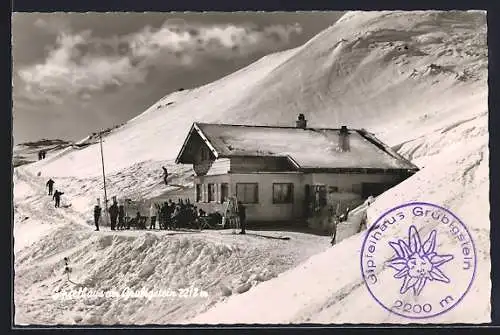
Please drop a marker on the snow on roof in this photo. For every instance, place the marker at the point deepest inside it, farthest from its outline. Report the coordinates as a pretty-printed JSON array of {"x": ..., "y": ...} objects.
[{"x": 310, "y": 148}]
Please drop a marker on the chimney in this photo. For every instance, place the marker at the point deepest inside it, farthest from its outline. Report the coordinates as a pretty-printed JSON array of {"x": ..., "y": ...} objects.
[
  {"x": 344, "y": 139},
  {"x": 301, "y": 121}
]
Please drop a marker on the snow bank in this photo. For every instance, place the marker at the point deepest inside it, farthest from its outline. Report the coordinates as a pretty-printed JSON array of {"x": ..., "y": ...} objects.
[{"x": 214, "y": 262}]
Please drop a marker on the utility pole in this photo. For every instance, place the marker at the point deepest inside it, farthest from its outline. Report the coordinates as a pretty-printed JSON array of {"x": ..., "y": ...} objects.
[{"x": 104, "y": 177}]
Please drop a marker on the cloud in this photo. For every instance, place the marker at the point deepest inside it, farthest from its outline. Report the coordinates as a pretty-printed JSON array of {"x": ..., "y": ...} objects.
[
  {"x": 53, "y": 24},
  {"x": 67, "y": 69},
  {"x": 215, "y": 39},
  {"x": 82, "y": 62}
]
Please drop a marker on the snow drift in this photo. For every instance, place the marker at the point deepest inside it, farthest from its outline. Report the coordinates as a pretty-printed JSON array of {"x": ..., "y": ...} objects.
[{"x": 418, "y": 80}]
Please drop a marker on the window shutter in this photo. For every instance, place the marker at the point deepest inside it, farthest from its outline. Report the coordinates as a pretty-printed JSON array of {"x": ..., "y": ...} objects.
[
  {"x": 239, "y": 194},
  {"x": 205, "y": 193},
  {"x": 217, "y": 193}
]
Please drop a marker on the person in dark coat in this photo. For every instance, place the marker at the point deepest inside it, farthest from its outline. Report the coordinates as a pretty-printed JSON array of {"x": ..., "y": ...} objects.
[
  {"x": 57, "y": 198},
  {"x": 113, "y": 213},
  {"x": 137, "y": 221},
  {"x": 97, "y": 216},
  {"x": 39, "y": 155},
  {"x": 243, "y": 216},
  {"x": 165, "y": 175},
  {"x": 363, "y": 223},
  {"x": 335, "y": 222},
  {"x": 169, "y": 210},
  {"x": 43, "y": 154},
  {"x": 121, "y": 217},
  {"x": 50, "y": 184}
]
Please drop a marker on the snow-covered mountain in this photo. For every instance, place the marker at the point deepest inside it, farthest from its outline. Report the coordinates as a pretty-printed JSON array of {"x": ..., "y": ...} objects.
[{"x": 418, "y": 80}]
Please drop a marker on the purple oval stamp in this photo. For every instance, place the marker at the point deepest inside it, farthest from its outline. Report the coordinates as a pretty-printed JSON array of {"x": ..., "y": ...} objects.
[{"x": 418, "y": 260}]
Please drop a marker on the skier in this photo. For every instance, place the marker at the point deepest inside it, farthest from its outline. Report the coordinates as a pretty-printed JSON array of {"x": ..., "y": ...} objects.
[
  {"x": 97, "y": 215},
  {"x": 121, "y": 216},
  {"x": 165, "y": 175},
  {"x": 344, "y": 216},
  {"x": 369, "y": 200},
  {"x": 113, "y": 213},
  {"x": 39, "y": 155},
  {"x": 242, "y": 215},
  {"x": 363, "y": 222},
  {"x": 334, "y": 229},
  {"x": 152, "y": 214},
  {"x": 50, "y": 184},
  {"x": 57, "y": 198}
]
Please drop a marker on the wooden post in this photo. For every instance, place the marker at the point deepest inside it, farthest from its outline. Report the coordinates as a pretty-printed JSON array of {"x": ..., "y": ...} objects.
[{"x": 104, "y": 180}]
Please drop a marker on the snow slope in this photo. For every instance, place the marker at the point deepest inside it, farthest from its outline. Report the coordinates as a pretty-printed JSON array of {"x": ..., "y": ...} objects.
[
  {"x": 418, "y": 80},
  {"x": 212, "y": 261}
]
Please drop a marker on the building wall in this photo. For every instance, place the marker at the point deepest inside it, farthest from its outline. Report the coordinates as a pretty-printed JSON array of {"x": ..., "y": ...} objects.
[
  {"x": 350, "y": 182},
  {"x": 217, "y": 167},
  {"x": 265, "y": 209},
  {"x": 344, "y": 188},
  {"x": 203, "y": 181},
  {"x": 255, "y": 164},
  {"x": 205, "y": 162}
]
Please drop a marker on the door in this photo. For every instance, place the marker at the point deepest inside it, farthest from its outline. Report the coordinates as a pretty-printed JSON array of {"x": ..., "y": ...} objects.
[
  {"x": 307, "y": 201},
  {"x": 224, "y": 192},
  {"x": 374, "y": 189},
  {"x": 316, "y": 199}
]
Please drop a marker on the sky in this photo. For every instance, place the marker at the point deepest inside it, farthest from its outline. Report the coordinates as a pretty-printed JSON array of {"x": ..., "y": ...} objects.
[{"x": 76, "y": 73}]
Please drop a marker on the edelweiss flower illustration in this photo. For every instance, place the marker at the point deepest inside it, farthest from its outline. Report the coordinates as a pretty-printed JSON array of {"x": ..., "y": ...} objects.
[{"x": 416, "y": 262}]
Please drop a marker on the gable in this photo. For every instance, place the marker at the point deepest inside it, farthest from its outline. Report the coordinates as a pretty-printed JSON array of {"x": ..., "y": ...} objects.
[{"x": 195, "y": 149}]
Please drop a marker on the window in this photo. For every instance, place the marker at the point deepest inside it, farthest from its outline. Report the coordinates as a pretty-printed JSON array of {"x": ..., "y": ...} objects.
[
  {"x": 374, "y": 189},
  {"x": 282, "y": 193},
  {"x": 333, "y": 189},
  {"x": 205, "y": 154},
  {"x": 211, "y": 192},
  {"x": 247, "y": 193},
  {"x": 224, "y": 192},
  {"x": 198, "y": 193}
]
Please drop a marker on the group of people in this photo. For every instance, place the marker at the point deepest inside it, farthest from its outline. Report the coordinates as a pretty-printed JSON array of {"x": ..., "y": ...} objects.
[
  {"x": 116, "y": 215},
  {"x": 57, "y": 194},
  {"x": 168, "y": 215},
  {"x": 174, "y": 215}
]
